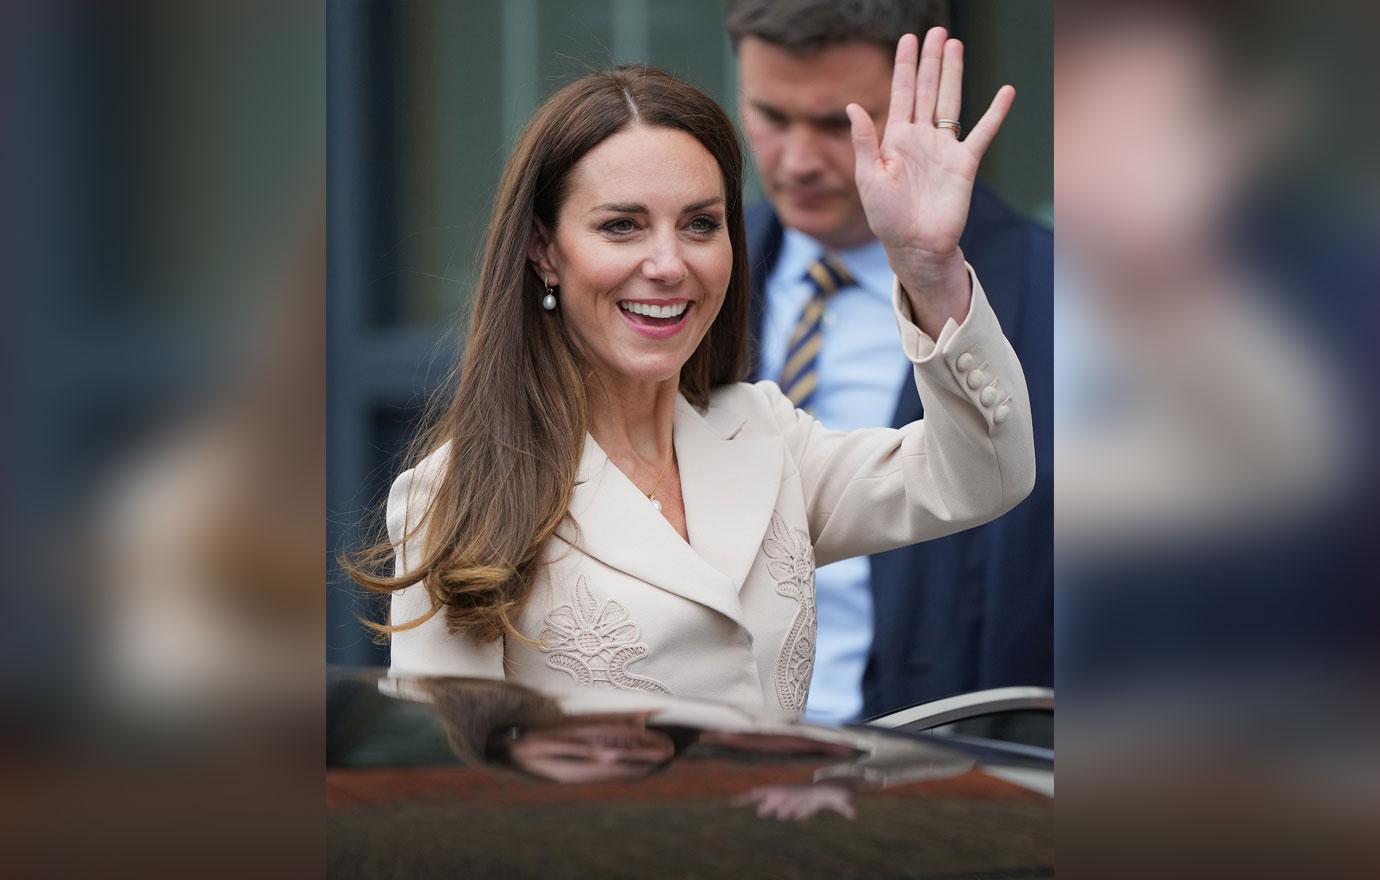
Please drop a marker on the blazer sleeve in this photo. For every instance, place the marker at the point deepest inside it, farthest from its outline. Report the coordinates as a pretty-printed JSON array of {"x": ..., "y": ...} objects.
[
  {"x": 429, "y": 648},
  {"x": 969, "y": 460}
]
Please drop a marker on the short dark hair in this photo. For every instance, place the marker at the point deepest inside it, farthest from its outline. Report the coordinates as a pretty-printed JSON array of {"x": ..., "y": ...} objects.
[{"x": 806, "y": 26}]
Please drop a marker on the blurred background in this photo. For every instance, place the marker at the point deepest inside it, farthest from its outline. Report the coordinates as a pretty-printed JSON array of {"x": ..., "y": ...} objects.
[
  {"x": 1215, "y": 325},
  {"x": 426, "y": 100},
  {"x": 162, "y": 483}
]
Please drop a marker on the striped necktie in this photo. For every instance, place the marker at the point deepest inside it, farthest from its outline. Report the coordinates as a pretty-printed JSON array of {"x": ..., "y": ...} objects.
[{"x": 798, "y": 376}]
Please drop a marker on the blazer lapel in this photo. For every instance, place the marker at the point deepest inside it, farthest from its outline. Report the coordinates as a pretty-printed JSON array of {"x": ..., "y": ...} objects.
[
  {"x": 618, "y": 526},
  {"x": 764, "y": 235},
  {"x": 730, "y": 485}
]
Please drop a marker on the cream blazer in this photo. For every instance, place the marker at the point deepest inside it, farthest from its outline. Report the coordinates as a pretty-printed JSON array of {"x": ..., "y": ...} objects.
[{"x": 625, "y": 604}]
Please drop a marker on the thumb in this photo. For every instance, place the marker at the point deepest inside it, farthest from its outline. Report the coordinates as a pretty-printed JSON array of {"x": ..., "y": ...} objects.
[{"x": 865, "y": 149}]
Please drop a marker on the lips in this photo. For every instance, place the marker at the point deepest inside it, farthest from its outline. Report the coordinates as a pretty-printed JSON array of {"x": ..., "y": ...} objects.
[
  {"x": 656, "y": 319},
  {"x": 806, "y": 194},
  {"x": 655, "y": 310}
]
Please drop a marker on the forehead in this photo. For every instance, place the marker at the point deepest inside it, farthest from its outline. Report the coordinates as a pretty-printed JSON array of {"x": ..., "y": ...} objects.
[
  {"x": 820, "y": 82},
  {"x": 646, "y": 165}
]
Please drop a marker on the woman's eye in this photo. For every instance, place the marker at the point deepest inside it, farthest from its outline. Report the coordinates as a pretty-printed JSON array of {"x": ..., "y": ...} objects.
[
  {"x": 705, "y": 225},
  {"x": 619, "y": 227}
]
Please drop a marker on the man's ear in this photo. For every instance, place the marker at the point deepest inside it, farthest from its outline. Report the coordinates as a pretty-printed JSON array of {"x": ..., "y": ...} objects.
[{"x": 539, "y": 252}]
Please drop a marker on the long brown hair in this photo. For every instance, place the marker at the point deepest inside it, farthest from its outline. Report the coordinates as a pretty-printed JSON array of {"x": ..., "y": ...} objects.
[{"x": 517, "y": 415}]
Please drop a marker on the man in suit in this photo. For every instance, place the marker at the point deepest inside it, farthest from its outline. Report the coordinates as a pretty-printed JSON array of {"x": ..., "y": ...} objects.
[{"x": 962, "y": 613}]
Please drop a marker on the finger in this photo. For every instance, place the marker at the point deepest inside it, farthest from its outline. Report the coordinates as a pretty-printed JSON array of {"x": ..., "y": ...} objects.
[
  {"x": 865, "y": 147},
  {"x": 980, "y": 138},
  {"x": 927, "y": 81},
  {"x": 903, "y": 79},
  {"x": 950, "y": 102}
]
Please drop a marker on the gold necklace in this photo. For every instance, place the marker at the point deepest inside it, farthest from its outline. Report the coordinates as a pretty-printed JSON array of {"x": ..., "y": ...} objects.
[{"x": 664, "y": 471}]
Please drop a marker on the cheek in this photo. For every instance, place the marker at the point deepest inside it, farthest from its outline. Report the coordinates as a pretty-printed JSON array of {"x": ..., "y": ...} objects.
[
  {"x": 715, "y": 267},
  {"x": 597, "y": 268},
  {"x": 841, "y": 155}
]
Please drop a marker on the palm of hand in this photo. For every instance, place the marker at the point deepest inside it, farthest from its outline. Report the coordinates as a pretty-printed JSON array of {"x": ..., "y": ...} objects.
[
  {"x": 916, "y": 182},
  {"x": 917, "y": 197}
]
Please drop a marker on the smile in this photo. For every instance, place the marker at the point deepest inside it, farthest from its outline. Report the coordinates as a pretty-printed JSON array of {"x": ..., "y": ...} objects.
[
  {"x": 674, "y": 310},
  {"x": 655, "y": 320}
]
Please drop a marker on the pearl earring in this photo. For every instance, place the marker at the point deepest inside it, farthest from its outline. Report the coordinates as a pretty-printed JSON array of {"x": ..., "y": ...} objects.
[{"x": 548, "y": 302}]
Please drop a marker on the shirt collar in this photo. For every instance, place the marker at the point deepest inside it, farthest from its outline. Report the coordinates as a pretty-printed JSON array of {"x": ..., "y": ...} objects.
[{"x": 867, "y": 262}]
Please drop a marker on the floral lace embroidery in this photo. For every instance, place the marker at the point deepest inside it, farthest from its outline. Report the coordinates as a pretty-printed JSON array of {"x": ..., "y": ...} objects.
[
  {"x": 791, "y": 561},
  {"x": 594, "y": 643}
]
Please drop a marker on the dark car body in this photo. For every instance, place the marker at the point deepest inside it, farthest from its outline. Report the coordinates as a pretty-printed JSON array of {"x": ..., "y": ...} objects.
[{"x": 462, "y": 778}]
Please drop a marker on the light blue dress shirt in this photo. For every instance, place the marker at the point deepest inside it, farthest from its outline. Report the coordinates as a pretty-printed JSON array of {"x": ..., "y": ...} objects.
[{"x": 860, "y": 372}]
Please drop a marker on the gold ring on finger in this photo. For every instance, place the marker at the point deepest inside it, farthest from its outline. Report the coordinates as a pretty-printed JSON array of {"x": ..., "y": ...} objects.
[{"x": 951, "y": 124}]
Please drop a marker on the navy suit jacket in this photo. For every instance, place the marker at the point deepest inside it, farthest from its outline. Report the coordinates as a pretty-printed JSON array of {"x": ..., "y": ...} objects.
[{"x": 974, "y": 610}]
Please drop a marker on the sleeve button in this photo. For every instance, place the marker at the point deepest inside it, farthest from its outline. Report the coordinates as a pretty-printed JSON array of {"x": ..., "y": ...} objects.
[
  {"x": 1002, "y": 414},
  {"x": 964, "y": 362},
  {"x": 976, "y": 378},
  {"x": 988, "y": 396}
]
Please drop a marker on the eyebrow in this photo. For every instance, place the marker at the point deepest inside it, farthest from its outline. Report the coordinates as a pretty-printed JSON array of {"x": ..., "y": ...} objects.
[
  {"x": 838, "y": 117},
  {"x": 636, "y": 208}
]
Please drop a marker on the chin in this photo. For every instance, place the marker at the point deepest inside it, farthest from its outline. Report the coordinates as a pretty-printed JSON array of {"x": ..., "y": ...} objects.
[
  {"x": 814, "y": 222},
  {"x": 652, "y": 369}
]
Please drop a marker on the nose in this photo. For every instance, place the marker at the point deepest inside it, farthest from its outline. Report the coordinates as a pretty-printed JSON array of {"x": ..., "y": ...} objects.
[
  {"x": 800, "y": 155},
  {"x": 664, "y": 264}
]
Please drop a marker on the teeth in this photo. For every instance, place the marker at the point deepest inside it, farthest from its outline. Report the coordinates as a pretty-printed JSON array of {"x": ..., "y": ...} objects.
[{"x": 652, "y": 311}]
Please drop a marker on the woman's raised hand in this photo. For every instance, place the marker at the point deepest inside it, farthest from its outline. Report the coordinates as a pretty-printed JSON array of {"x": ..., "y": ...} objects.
[{"x": 917, "y": 180}]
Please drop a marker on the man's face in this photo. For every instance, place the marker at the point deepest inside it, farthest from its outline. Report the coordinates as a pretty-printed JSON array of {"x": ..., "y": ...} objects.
[{"x": 792, "y": 109}]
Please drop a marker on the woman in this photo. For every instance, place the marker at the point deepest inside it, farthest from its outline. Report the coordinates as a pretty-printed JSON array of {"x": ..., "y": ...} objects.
[{"x": 603, "y": 504}]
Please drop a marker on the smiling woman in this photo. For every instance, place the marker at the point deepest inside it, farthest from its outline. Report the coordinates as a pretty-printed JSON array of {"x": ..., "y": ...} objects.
[
  {"x": 640, "y": 254},
  {"x": 580, "y": 224},
  {"x": 601, "y": 502}
]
